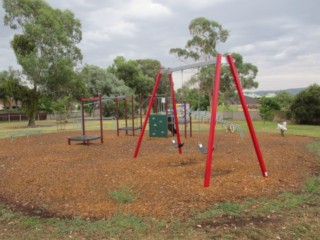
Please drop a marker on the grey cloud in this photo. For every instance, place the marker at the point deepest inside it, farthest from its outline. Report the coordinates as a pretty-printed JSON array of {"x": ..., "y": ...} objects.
[{"x": 280, "y": 37}]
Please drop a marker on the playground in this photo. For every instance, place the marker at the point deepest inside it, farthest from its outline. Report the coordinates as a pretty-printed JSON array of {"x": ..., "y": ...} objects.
[
  {"x": 46, "y": 175},
  {"x": 43, "y": 175}
]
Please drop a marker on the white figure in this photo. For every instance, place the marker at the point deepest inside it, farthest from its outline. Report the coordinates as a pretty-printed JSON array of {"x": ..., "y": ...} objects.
[{"x": 282, "y": 127}]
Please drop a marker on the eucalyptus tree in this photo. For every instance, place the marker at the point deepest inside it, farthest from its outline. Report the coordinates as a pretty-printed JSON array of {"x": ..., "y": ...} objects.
[
  {"x": 46, "y": 48},
  {"x": 206, "y": 35}
]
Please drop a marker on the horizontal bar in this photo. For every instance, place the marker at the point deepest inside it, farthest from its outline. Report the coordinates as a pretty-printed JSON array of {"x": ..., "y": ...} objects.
[{"x": 190, "y": 66}]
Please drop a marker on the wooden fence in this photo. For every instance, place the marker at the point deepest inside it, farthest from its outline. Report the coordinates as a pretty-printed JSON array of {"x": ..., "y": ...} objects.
[{"x": 9, "y": 117}]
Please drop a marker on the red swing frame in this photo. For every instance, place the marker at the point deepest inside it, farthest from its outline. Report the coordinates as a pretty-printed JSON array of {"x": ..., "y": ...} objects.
[{"x": 214, "y": 105}]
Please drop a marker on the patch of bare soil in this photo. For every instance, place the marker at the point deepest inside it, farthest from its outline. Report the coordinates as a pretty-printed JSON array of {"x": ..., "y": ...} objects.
[{"x": 44, "y": 175}]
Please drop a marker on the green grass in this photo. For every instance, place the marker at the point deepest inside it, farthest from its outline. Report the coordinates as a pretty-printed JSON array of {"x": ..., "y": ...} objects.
[
  {"x": 122, "y": 195},
  {"x": 287, "y": 216},
  {"x": 122, "y": 226},
  {"x": 221, "y": 209},
  {"x": 227, "y": 108},
  {"x": 313, "y": 185},
  {"x": 293, "y": 129},
  {"x": 20, "y": 129},
  {"x": 314, "y": 147},
  {"x": 15, "y": 129}
]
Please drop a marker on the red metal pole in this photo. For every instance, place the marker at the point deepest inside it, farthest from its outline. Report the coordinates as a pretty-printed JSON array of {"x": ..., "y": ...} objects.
[
  {"x": 185, "y": 119},
  {"x": 140, "y": 108},
  {"x": 101, "y": 120},
  {"x": 247, "y": 115},
  {"x": 117, "y": 115},
  {"x": 175, "y": 114},
  {"x": 190, "y": 117},
  {"x": 155, "y": 89},
  {"x": 126, "y": 114},
  {"x": 132, "y": 114},
  {"x": 82, "y": 116},
  {"x": 213, "y": 121}
]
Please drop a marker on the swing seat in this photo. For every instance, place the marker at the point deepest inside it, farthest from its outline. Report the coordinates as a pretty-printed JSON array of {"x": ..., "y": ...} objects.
[
  {"x": 176, "y": 145},
  {"x": 202, "y": 148}
]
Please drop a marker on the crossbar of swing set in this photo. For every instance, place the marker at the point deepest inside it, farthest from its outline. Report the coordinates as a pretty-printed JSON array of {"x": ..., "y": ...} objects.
[{"x": 190, "y": 66}]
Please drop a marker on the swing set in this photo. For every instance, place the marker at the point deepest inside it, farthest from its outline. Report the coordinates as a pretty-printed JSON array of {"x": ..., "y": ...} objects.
[{"x": 213, "y": 118}]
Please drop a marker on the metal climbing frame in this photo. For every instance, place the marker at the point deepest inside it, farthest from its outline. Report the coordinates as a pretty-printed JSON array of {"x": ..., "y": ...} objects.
[
  {"x": 84, "y": 138},
  {"x": 128, "y": 128}
]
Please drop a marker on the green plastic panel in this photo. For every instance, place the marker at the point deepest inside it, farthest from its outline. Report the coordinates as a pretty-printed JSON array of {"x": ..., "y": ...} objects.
[{"x": 158, "y": 126}]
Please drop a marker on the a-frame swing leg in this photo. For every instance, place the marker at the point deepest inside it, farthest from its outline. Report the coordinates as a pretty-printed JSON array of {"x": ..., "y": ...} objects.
[
  {"x": 247, "y": 115},
  {"x": 154, "y": 92},
  {"x": 144, "y": 125},
  {"x": 213, "y": 118},
  {"x": 214, "y": 106}
]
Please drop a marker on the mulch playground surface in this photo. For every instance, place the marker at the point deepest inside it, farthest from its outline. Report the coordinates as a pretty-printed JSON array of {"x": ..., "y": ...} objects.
[{"x": 44, "y": 175}]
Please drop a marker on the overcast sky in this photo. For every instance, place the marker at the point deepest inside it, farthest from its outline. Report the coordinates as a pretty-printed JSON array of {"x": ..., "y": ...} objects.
[{"x": 280, "y": 37}]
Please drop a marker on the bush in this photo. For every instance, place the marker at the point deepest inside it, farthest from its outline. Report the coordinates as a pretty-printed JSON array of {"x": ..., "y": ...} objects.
[
  {"x": 306, "y": 106},
  {"x": 268, "y": 108}
]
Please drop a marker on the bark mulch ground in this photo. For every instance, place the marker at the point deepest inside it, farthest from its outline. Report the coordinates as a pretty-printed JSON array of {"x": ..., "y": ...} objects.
[{"x": 46, "y": 176}]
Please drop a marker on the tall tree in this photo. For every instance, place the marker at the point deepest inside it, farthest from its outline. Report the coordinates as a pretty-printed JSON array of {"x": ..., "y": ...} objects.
[
  {"x": 132, "y": 75},
  {"x": 150, "y": 68},
  {"x": 206, "y": 35},
  {"x": 45, "y": 47},
  {"x": 100, "y": 81}
]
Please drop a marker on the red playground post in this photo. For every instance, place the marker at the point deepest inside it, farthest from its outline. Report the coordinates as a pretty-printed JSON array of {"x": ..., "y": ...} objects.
[
  {"x": 213, "y": 119},
  {"x": 247, "y": 115},
  {"x": 214, "y": 107},
  {"x": 144, "y": 125}
]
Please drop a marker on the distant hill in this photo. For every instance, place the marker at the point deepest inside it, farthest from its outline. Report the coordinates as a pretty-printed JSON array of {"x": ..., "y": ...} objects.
[{"x": 290, "y": 90}]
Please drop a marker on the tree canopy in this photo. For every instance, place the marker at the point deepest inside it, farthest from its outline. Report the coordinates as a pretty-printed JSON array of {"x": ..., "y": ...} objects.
[
  {"x": 268, "y": 108},
  {"x": 45, "y": 47},
  {"x": 131, "y": 72},
  {"x": 206, "y": 35},
  {"x": 285, "y": 99},
  {"x": 11, "y": 89},
  {"x": 101, "y": 82}
]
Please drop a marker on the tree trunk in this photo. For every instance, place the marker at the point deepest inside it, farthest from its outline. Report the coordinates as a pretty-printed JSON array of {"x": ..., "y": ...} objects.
[
  {"x": 31, "y": 106},
  {"x": 32, "y": 121}
]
